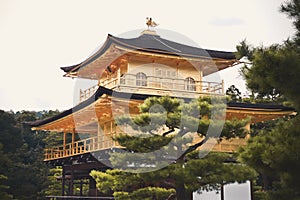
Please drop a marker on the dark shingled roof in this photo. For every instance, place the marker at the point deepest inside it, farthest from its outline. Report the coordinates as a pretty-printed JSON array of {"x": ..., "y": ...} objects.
[
  {"x": 259, "y": 106},
  {"x": 69, "y": 68},
  {"x": 102, "y": 90},
  {"x": 155, "y": 44}
]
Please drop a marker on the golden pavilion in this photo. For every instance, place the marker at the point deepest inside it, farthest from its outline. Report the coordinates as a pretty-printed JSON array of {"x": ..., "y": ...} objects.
[{"x": 127, "y": 71}]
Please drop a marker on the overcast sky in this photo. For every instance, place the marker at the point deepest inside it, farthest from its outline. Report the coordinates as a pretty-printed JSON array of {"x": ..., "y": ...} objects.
[{"x": 37, "y": 37}]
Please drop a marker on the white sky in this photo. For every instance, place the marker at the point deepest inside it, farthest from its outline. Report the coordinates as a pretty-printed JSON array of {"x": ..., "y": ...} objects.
[{"x": 37, "y": 37}]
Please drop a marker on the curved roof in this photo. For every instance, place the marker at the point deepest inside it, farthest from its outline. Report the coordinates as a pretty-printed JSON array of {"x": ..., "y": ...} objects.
[
  {"x": 239, "y": 107},
  {"x": 155, "y": 44}
]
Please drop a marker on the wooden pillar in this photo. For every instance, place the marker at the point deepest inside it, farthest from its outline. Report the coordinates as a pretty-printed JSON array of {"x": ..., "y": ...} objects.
[
  {"x": 73, "y": 141},
  {"x": 201, "y": 80},
  {"x": 63, "y": 182},
  {"x": 100, "y": 136},
  {"x": 119, "y": 75},
  {"x": 92, "y": 187},
  {"x": 111, "y": 126},
  {"x": 248, "y": 129},
  {"x": 106, "y": 128},
  {"x": 223, "y": 89},
  {"x": 65, "y": 140},
  {"x": 71, "y": 188},
  {"x": 81, "y": 183},
  {"x": 64, "y": 143}
]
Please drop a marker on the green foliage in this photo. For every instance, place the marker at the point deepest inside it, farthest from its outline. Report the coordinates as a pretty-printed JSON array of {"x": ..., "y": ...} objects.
[
  {"x": 243, "y": 49},
  {"x": 10, "y": 134},
  {"x": 275, "y": 72},
  {"x": 163, "y": 140},
  {"x": 3, "y": 179},
  {"x": 52, "y": 139},
  {"x": 273, "y": 153},
  {"x": 234, "y": 94},
  {"x": 54, "y": 186},
  {"x": 115, "y": 180},
  {"x": 292, "y": 9},
  {"x": 148, "y": 193},
  {"x": 121, "y": 196},
  {"x": 166, "y": 113},
  {"x": 3, "y": 188},
  {"x": 23, "y": 173},
  {"x": 105, "y": 181},
  {"x": 165, "y": 129},
  {"x": 143, "y": 144},
  {"x": 196, "y": 174}
]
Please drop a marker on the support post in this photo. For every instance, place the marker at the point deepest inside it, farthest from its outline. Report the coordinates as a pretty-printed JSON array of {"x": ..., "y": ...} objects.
[
  {"x": 251, "y": 190},
  {"x": 119, "y": 75},
  {"x": 63, "y": 182},
  {"x": 222, "y": 192},
  {"x": 73, "y": 141},
  {"x": 200, "y": 80},
  {"x": 65, "y": 140},
  {"x": 99, "y": 136},
  {"x": 81, "y": 183},
  {"x": 247, "y": 127},
  {"x": 92, "y": 187},
  {"x": 223, "y": 89},
  {"x": 64, "y": 143},
  {"x": 71, "y": 189}
]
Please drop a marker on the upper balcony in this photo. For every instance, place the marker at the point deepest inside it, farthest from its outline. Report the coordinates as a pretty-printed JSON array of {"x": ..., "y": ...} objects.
[{"x": 142, "y": 84}]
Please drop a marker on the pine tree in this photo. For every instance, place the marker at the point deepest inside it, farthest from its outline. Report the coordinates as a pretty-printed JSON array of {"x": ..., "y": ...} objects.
[
  {"x": 160, "y": 153},
  {"x": 275, "y": 75}
]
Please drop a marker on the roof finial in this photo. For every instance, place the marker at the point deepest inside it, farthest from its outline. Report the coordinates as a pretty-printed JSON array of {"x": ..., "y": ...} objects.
[{"x": 150, "y": 22}]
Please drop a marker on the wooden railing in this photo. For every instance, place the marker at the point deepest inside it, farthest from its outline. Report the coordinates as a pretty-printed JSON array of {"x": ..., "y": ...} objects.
[
  {"x": 173, "y": 84},
  {"x": 105, "y": 142},
  {"x": 156, "y": 83},
  {"x": 85, "y": 94},
  {"x": 80, "y": 147},
  {"x": 229, "y": 146},
  {"x": 110, "y": 82}
]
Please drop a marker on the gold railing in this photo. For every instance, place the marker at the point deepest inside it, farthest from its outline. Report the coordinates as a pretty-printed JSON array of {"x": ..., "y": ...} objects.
[
  {"x": 80, "y": 147},
  {"x": 105, "y": 142}
]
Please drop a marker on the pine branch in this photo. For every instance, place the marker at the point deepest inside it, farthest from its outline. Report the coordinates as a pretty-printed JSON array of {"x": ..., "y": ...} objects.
[
  {"x": 192, "y": 148},
  {"x": 168, "y": 132}
]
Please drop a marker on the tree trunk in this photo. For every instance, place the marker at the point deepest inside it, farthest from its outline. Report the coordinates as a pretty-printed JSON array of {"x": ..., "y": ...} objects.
[
  {"x": 266, "y": 182},
  {"x": 182, "y": 193}
]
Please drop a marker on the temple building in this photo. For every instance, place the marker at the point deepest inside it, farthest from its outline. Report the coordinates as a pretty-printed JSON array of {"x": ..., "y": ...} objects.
[{"x": 128, "y": 71}]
